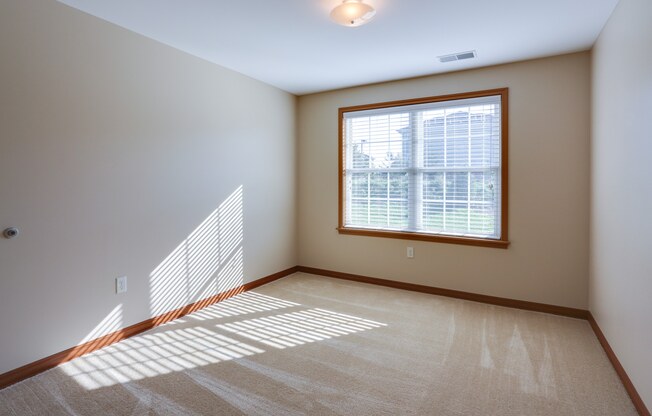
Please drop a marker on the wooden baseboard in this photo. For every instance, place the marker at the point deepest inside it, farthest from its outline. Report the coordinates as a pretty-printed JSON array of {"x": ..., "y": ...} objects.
[
  {"x": 493, "y": 300},
  {"x": 52, "y": 361},
  {"x": 629, "y": 386}
]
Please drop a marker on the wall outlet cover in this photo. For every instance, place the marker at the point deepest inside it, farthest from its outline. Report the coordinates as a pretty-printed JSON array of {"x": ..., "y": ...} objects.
[{"x": 121, "y": 284}]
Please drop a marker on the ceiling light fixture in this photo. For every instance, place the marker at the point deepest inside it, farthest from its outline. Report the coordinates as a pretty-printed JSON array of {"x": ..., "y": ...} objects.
[{"x": 352, "y": 13}]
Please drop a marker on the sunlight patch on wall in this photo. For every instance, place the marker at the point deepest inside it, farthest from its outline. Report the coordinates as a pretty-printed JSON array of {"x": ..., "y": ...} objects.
[
  {"x": 111, "y": 323},
  {"x": 209, "y": 261}
]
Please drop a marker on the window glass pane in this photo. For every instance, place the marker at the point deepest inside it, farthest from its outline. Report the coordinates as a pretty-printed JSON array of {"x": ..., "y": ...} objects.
[
  {"x": 457, "y": 123},
  {"x": 482, "y": 219},
  {"x": 359, "y": 211},
  {"x": 398, "y": 214},
  {"x": 457, "y": 186},
  {"x": 492, "y": 191},
  {"x": 479, "y": 151},
  {"x": 484, "y": 146},
  {"x": 379, "y": 141},
  {"x": 478, "y": 186},
  {"x": 360, "y": 155},
  {"x": 433, "y": 145},
  {"x": 398, "y": 185},
  {"x": 433, "y": 216},
  {"x": 433, "y": 186},
  {"x": 456, "y": 217},
  {"x": 403, "y": 158},
  {"x": 360, "y": 185},
  {"x": 378, "y": 184},
  {"x": 394, "y": 157},
  {"x": 457, "y": 139},
  {"x": 378, "y": 213},
  {"x": 478, "y": 127}
]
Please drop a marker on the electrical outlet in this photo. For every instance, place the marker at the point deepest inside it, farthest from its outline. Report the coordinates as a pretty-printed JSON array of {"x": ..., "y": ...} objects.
[
  {"x": 410, "y": 252},
  {"x": 121, "y": 284}
]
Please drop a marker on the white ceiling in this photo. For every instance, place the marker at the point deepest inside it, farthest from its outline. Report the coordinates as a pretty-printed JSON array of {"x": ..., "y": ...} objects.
[{"x": 293, "y": 45}]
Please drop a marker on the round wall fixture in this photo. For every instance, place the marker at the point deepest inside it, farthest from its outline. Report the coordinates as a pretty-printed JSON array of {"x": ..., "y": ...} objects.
[
  {"x": 352, "y": 13},
  {"x": 10, "y": 232}
]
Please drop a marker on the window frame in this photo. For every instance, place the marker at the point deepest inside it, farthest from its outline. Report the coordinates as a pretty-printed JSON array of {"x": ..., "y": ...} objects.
[{"x": 503, "y": 242}]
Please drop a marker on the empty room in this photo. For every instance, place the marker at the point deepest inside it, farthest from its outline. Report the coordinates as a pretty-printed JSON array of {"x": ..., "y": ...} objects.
[{"x": 325, "y": 207}]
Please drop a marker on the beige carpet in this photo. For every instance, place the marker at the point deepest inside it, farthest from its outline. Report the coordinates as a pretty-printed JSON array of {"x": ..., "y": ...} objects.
[{"x": 320, "y": 346}]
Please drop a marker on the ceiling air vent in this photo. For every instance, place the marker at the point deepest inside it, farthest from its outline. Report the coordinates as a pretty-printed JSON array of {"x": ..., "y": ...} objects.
[{"x": 456, "y": 56}]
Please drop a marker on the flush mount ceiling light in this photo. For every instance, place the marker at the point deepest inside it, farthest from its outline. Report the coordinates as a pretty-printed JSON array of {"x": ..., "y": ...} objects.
[{"x": 352, "y": 13}]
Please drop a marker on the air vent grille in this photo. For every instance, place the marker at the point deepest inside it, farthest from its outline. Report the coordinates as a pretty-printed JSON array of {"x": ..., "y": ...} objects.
[{"x": 456, "y": 56}]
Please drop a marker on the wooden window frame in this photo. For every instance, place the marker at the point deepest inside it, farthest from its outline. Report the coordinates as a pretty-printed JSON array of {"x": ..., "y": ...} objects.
[{"x": 503, "y": 242}]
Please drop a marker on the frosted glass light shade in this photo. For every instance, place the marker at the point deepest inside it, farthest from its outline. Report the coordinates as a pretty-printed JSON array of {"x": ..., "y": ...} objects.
[{"x": 352, "y": 13}]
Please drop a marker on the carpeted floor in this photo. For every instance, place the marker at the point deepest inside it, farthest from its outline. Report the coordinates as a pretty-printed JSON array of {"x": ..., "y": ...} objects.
[{"x": 320, "y": 346}]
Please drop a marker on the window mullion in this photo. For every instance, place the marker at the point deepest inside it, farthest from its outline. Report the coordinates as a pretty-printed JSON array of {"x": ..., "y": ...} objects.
[
  {"x": 468, "y": 173},
  {"x": 368, "y": 198},
  {"x": 415, "y": 176},
  {"x": 484, "y": 199},
  {"x": 348, "y": 160},
  {"x": 443, "y": 205},
  {"x": 497, "y": 202},
  {"x": 387, "y": 203}
]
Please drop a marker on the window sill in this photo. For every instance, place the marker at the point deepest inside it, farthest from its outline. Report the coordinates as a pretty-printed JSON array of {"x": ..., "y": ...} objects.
[{"x": 469, "y": 241}]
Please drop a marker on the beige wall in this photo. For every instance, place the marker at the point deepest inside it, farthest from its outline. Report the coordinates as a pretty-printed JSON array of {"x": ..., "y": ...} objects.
[
  {"x": 548, "y": 178},
  {"x": 122, "y": 156},
  {"x": 621, "y": 199},
  {"x": 113, "y": 149}
]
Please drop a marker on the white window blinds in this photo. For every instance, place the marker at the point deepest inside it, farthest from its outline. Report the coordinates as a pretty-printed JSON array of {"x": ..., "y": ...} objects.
[{"x": 430, "y": 168}]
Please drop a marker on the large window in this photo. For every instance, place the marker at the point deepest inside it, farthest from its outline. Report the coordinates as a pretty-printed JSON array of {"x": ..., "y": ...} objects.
[{"x": 428, "y": 169}]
